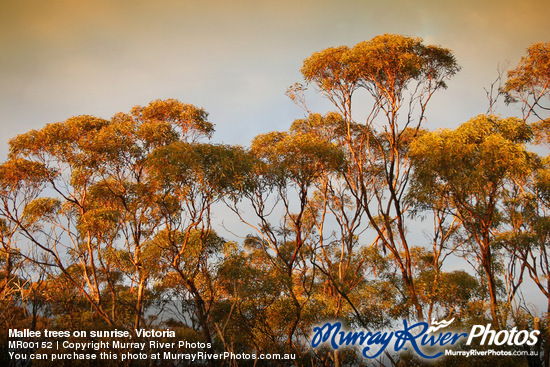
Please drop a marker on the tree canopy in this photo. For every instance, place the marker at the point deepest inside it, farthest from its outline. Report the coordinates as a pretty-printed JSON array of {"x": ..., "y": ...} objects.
[{"x": 358, "y": 215}]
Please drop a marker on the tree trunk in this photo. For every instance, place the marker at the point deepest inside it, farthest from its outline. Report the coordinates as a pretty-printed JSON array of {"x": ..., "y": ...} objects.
[{"x": 486, "y": 263}]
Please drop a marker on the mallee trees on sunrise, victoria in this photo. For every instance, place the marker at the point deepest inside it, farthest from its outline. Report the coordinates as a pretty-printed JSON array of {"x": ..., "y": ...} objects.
[
  {"x": 98, "y": 229},
  {"x": 111, "y": 223},
  {"x": 400, "y": 75},
  {"x": 472, "y": 170}
]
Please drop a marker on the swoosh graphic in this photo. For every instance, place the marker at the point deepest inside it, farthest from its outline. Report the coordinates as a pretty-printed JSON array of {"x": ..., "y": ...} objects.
[{"x": 439, "y": 325}]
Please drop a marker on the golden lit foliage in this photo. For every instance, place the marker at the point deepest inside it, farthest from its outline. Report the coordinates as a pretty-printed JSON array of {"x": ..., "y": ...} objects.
[{"x": 529, "y": 82}]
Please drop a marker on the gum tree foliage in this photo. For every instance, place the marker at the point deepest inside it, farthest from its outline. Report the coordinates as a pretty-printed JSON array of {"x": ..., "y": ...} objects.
[
  {"x": 472, "y": 170},
  {"x": 286, "y": 167},
  {"x": 344, "y": 263},
  {"x": 190, "y": 178},
  {"x": 101, "y": 219},
  {"x": 20, "y": 184},
  {"x": 294, "y": 163},
  {"x": 105, "y": 212},
  {"x": 529, "y": 82},
  {"x": 20, "y": 306},
  {"x": 400, "y": 75},
  {"x": 527, "y": 218}
]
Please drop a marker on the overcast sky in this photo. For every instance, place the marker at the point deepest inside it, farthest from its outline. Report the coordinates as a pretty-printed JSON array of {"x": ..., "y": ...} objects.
[{"x": 236, "y": 58}]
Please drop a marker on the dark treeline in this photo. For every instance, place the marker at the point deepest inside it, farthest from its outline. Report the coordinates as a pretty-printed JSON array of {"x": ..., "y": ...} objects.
[{"x": 106, "y": 224}]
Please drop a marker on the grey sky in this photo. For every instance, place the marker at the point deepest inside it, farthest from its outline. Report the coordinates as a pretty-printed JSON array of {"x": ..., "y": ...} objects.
[{"x": 61, "y": 58}]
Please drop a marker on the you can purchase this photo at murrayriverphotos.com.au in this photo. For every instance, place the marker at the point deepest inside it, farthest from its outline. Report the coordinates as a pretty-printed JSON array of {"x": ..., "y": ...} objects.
[{"x": 260, "y": 183}]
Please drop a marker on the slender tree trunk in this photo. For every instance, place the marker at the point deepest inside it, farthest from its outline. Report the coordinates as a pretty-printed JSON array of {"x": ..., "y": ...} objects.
[
  {"x": 487, "y": 266},
  {"x": 139, "y": 303},
  {"x": 201, "y": 310}
]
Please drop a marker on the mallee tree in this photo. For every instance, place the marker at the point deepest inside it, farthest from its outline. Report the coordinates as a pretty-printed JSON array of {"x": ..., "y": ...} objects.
[{"x": 114, "y": 223}]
